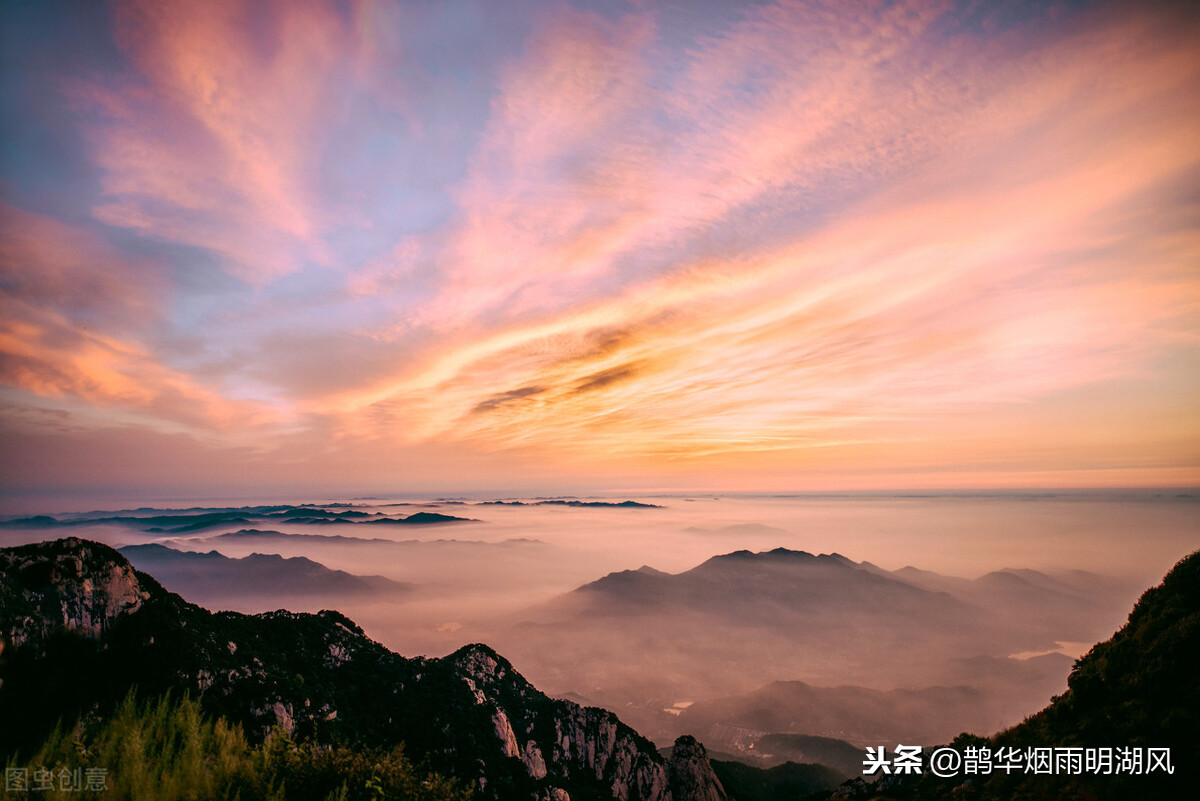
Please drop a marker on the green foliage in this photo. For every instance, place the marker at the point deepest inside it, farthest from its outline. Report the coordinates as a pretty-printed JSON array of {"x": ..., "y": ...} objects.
[
  {"x": 168, "y": 750},
  {"x": 339, "y": 773}
]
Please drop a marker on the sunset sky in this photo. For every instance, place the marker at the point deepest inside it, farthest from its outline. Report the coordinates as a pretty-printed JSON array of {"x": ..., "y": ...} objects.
[{"x": 581, "y": 247}]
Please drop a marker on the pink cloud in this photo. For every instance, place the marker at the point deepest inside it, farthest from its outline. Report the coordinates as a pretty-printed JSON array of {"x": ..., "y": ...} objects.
[
  {"x": 606, "y": 152},
  {"x": 814, "y": 234},
  {"x": 990, "y": 269},
  {"x": 45, "y": 355},
  {"x": 50, "y": 264},
  {"x": 211, "y": 144},
  {"x": 72, "y": 311},
  {"x": 536, "y": 201}
]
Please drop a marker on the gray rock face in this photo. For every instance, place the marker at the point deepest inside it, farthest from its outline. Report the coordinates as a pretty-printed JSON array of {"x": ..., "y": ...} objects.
[
  {"x": 692, "y": 776},
  {"x": 557, "y": 741},
  {"x": 471, "y": 713},
  {"x": 75, "y": 584},
  {"x": 594, "y": 741},
  {"x": 582, "y": 742}
]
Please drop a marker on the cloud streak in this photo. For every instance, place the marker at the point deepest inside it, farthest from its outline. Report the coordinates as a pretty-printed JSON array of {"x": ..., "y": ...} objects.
[
  {"x": 72, "y": 308},
  {"x": 661, "y": 238},
  {"x": 987, "y": 275},
  {"x": 208, "y": 141}
]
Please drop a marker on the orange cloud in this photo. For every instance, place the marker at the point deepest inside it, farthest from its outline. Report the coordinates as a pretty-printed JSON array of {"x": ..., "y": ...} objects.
[
  {"x": 992, "y": 269},
  {"x": 71, "y": 309},
  {"x": 51, "y": 264},
  {"x": 807, "y": 238},
  {"x": 47, "y": 356},
  {"x": 213, "y": 147}
]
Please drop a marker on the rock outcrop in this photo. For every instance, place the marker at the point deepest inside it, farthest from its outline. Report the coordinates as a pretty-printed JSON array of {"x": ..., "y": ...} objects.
[
  {"x": 71, "y": 584},
  {"x": 691, "y": 774},
  {"x": 78, "y": 617}
]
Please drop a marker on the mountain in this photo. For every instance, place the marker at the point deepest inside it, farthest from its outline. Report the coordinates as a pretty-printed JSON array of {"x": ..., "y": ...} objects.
[
  {"x": 421, "y": 519},
  {"x": 836, "y": 754},
  {"x": 1137, "y": 689},
  {"x": 1132, "y": 692},
  {"x": 79, "y": 627},
  {"x": 187, "y": 521},
  {"x": 649, "y": 644},
  {"x": 644, "y": 642},
  {"x": 260, "y": 535},
  {"x": 213, "y": 579},
  {"x": 792, "y": 576},
  {"x": 1076, "y": 601},
  {"x": 786, "y": 781},
  {"x": 775, "y": 589}
]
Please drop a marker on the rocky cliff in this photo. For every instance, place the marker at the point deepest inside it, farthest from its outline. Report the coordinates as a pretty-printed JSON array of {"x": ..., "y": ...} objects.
[
  {"x": 73, "y": 584},
  {"x": 80, "y": 627},
  {"x": 691, "y": 773}
]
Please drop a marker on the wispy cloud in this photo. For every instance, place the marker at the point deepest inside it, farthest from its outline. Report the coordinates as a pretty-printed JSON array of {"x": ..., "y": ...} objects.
[
  {"x": 210, "y": 141},
  {"x": 72, "y": 313},
  {"x": 986, "y": 270},
  {"x": 655, "y": 234}
]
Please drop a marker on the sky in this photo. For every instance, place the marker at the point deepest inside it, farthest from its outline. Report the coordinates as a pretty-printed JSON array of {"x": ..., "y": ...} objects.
[{"x": 256, "y": 247}]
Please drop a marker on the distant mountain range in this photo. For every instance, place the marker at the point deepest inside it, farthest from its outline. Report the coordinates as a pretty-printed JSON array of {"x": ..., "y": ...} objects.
[
  {"x": 261, "y": 535},
  {"x": 643, "y": 640},
  {"x": 185, "y": 521},
  {"x": 80, "y": 627},
  {"x": 1133, "y": 692},
  {"x": 211, "y": 578},
  {"x": 199, "y": 519},
  {"x": 1075, "y": 600}
]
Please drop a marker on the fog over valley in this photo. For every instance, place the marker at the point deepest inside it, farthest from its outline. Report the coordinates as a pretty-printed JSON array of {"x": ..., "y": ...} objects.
[{"x": 735, "y": 618}]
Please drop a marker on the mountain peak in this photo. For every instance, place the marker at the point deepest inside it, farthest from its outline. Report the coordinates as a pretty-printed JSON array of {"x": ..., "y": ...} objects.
[
  {"x": 481, "y": 661},
  {"x": 691, "y": 773},
  {"x": 781, "y": 557},
  {"x": 318, "y": 676},
  {"x": 71, "y": 583},
  {"x": 775, "y": 555}
]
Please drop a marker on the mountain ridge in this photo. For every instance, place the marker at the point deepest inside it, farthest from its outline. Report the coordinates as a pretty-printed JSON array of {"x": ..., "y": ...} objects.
[
  {"x": 644, "y": 640},
  {"x": 209, "y": 577},
  {"x": 81, "y": 627}
]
